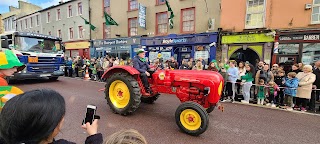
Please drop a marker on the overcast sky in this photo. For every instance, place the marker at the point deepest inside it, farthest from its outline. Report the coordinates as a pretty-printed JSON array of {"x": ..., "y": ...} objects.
[{"x": 4, "y": 4}]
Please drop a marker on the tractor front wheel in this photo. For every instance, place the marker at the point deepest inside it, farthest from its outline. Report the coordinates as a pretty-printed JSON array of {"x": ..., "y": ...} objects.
[
  {"x": 192, "y": 118},
  {"x": 123, "y": 93}
]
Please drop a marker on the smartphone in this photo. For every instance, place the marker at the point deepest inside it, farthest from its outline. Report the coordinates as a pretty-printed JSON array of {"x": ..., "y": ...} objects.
[{"x": 90, "y": 114}]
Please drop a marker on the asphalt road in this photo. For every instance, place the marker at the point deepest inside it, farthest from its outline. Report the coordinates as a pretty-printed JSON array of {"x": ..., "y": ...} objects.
[{"x": 237, "y": 124}]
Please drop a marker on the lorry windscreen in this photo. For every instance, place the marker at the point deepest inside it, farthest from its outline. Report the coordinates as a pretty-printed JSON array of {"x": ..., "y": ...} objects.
[{"x": 38, "y": 45}]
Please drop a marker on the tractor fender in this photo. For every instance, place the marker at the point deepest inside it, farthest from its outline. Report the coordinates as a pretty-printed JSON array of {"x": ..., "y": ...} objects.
[{"x": 117, "y": 69}]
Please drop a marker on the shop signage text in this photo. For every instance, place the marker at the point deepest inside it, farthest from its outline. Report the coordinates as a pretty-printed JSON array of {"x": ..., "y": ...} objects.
[
  {"x": 309, "y": 37},
  {"x": 142, "y": 16},
  {"x": 101, "y": 43},
  {"x": 173, "y": 41},
  {"x": 249, "y": 38}
]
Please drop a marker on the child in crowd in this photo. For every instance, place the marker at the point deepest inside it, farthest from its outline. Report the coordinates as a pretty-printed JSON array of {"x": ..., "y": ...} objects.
[
  {"x": 94, "y": 71},
  {"x": 279, "y": 80},
  {"x": 272, "y": 92},
  {"x": 290, "y": 91},
  {"x": 224, "y": 74},
  {"x": 261, "y": 92},
  {"x": 126, "y": 137}
]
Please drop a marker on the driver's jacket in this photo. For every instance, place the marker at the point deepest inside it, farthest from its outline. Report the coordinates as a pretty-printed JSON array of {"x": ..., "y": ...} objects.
[{"x": 141, "y": 66}]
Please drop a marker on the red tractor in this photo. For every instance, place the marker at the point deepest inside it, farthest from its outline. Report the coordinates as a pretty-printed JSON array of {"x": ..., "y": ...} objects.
[{"x": 198, "y": 91}]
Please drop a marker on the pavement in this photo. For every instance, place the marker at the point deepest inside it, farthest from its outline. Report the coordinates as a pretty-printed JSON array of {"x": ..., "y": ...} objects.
[{"x": 237, "y": 124}]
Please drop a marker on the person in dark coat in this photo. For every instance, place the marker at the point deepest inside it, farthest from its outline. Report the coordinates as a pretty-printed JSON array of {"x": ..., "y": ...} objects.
[
  {"x": 140, "y": 63},
  {"x": 316, "y": 85},
  {"x": 184, "y": 65},
  {"x": 36, "y": 117}
]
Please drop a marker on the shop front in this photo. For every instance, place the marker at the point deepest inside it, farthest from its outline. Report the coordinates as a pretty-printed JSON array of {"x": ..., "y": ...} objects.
[
  {"x": 297, "y": 46},
  {"x": 248, "y": 47},
  {"x": 123, "y": 48},
  {"x": 181, "y": 47},
  {"x": 78, "y": 48}
]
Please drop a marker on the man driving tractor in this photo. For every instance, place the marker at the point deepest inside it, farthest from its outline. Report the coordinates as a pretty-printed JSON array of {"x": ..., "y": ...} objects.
[{"x": 140, "y": 63}]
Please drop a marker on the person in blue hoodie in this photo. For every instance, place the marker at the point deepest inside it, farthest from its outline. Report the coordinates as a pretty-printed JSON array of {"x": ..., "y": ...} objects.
[
  {"x": 290, "y": 91},
  {"x": 69, "y": 67},
  {"x": 233, "y": 73}
]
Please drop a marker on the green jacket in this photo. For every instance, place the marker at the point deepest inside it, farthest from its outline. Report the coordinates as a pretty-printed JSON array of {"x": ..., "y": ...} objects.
[{"x": 247, "y": 77}]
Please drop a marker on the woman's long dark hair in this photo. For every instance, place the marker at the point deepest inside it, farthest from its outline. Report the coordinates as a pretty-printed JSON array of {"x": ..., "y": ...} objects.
[
  {"x": 31, "y": 117},
  {"x": 252, "y": 70}
]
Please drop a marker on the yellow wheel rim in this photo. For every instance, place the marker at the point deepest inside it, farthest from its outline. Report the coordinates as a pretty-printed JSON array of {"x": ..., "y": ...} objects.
[
  {"x": 119, "y": 94},
  {"x": 190, "y": 119}
]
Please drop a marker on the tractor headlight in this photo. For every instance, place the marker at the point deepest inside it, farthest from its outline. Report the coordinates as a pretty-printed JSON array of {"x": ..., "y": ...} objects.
[{"x": 206, "y": 91}]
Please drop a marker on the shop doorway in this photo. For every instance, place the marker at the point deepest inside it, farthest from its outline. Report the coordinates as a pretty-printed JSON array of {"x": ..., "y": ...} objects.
[
  {"x": 245, "y": 55},
  {"x": 183, "y": 56}
]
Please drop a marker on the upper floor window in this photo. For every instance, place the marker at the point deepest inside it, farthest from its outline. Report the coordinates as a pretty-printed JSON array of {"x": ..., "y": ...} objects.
[
  {"x": 255, "y": 14},
  {"x": 133, "y": 5},
  {"x": 49, "y": 33},
  {"x": 21, "y": 25},
  {"x": 315, "y": 11},
  {"x": 58, "y": 14},
  {"x": 106, "y": 6},
  {"x": 31, "y": 22},
  {"x": 48, "y": 17},
  {"x": 59, "y": 33},
  {"x": 80, "y": 32},
  {"x": 37, "y": 19},
  {"x": 162, "y": 23},
  {"x": 188, "y": 20},
  {"x": 70, "y": 11},
  {"x": 107, "y": 31},
  {"x": 79, "y": 8},
  {"x": 70, "y": 33},
  {"x": 133, "y": 27},
  {"x": 159, "y": 2},
  {"x": 26, "y": 23}
]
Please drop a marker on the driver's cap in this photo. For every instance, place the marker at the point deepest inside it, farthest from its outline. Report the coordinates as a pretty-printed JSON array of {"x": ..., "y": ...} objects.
[{"x": 141, "y": 51}]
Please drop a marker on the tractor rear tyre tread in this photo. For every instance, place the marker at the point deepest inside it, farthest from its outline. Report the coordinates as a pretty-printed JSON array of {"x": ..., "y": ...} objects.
[
  {"x": 200, "y": 110},
  {"x": 150, "y": 100},
  {"x": 210, "y": 109},
  {"x": 134, "y": 89}
]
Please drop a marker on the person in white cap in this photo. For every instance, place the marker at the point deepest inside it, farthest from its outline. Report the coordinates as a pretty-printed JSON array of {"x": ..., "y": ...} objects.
[{"x": 140, "y": 63}]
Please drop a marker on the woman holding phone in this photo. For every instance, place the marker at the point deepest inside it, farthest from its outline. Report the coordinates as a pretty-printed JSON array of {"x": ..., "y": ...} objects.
[{"x": 36, "y": 117}]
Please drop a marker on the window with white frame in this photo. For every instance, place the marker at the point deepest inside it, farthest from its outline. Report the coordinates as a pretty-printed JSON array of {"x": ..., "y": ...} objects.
[
  {"x": 79, "y": 8},
  {"x": 37, "y": 19},
  {"x": 71, "y": 33},
  {"x": 26, "y": 22},
  {"x": 133, "y": 5},
  {"x": 255, "y": 14},
  {"x": 59, "y": 33},
  {"x": 58, "y": 14},
  {"x": 31, "y": 22},
  {"x": 70, "y": 11},
  {"x": 21, "y": 25},
  {"x": 80, "y": 30},
  {"x": 48, "y": 17},
  {"x": 315, "y": 18}
]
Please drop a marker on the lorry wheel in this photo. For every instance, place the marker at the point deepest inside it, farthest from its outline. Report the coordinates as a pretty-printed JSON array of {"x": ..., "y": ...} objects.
[
  {"x": 150, "y": 100},
  {"x": 210, "y": 109},
  {"x": 123, "y": 93},
  {"x": 192, "y": 118},
  {"x": 53, "y": 78}
]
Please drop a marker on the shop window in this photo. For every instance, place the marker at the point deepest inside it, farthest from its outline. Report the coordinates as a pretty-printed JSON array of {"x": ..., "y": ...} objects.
[
  {"x": 188, "y": 20},
  {"x": 255, "y": 14},
  {"x": 202, "y": 52},
  {"x": 133, "y": 27},
  {"x": 162, "y": 23},
  {"x": 310, "y": 53},
  {"x": 133, "y": 5},
  {"x": 288, "y": 49},
  {"x": 107, "y": 31},
  {"x": 315, "y": 18}
]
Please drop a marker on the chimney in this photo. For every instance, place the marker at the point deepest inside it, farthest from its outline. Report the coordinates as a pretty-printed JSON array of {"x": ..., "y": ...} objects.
[{"x": 60, "y": 2}]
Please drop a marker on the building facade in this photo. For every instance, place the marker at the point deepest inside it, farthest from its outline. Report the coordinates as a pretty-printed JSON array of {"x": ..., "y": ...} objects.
[
  {"x": 65, "y": 20},
  {"x": 9, "y": 19},
  {"x": 249, "y": 27},
  {"x": 149, "y": 19}
]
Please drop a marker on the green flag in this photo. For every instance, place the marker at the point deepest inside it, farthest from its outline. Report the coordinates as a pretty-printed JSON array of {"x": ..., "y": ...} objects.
[
  {"x": 171, "y": 15},
  {"x": 109, "y": 20},
  {"x": 92, "y": 27}
]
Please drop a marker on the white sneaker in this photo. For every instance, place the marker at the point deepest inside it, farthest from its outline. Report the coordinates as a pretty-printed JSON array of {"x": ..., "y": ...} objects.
[
  {"x": 290, "y": 109},
  {"x": 268, "y": 104},
  {"x": 245, "y": 102},
  {"x": 273, "y": 105}
]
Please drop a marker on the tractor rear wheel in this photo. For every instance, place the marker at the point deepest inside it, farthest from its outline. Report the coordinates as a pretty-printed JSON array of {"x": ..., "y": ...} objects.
[
  {"x": 210, "y": 109},
  {"x": 192, "y": 118},
  {"x": 123, "y": 93},
  {"x": 150, "y": 100}
]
